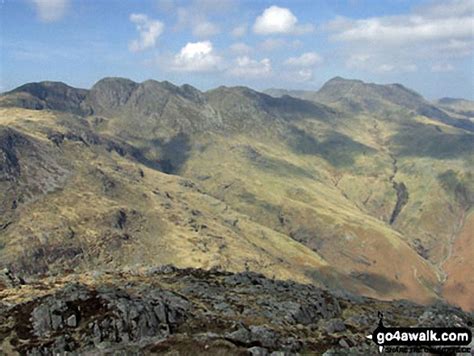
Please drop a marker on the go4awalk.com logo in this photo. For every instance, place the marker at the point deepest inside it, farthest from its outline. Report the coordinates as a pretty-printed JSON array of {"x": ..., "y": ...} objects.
[{"x": 419, "y": 339}]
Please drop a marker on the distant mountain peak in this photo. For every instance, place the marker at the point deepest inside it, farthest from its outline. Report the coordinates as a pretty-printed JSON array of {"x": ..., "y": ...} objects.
[
  {"x": 339, "y": 79},
  {"x": 46, "y": 95},
  {"x": 353, "y": 96},
  {"x": 449, "y": 100},
  {"x": 109, "y": 94},
  {"x": 43, "y": 88},
  {"x": 112, "y": 96}
]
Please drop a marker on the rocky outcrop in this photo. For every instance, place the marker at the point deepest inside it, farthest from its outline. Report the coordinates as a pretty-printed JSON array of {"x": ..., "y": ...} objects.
[
  {"x": 109, "y": 95},
  {"x": 27, "y": 169},
  {"x": 9, "y": 165},
  {"x": 165, "y": 309}
]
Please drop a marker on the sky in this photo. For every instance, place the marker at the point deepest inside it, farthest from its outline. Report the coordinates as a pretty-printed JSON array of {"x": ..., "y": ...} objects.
[{"x": 299, "y": 44}]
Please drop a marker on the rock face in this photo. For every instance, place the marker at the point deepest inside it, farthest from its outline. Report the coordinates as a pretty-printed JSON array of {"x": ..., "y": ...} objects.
[
  {"x": 165, "y": 309},
  {"x": 9, "y": 165},
  {"x": 106, "y": 315},
  {"x": 27, "y": 170},
  {"x": 109, "y": 95}
]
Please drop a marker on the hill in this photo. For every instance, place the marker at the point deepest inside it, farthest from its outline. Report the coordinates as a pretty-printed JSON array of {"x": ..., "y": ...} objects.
[
  {"x": 333, "y": 190},
  {"x": 392, "y": 100},
  {"x": 45, "y": 95},
  {"x": 457, "y": 106}
]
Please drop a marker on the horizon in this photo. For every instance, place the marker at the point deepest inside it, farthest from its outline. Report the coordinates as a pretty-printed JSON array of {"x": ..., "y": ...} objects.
[
  {"x": 225, "y": 86},
  {"x": 424, "y": 45}
]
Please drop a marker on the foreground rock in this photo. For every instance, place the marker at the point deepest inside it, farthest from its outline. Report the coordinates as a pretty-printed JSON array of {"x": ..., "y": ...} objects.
[{"x": 192, "y": 311}]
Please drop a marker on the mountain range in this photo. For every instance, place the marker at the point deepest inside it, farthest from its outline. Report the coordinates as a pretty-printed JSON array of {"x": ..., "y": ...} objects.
[{"x": 356, "y": 187}]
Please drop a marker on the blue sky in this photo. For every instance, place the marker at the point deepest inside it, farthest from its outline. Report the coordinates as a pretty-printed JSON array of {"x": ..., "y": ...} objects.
[{"x": 299, "y": 44}]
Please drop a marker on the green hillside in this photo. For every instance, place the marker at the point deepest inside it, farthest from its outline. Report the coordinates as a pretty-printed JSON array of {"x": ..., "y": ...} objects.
[{"x": 358, "y": 186}]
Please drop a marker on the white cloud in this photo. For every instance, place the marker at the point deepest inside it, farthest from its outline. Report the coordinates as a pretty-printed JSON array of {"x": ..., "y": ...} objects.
[
  {"x": 305, "y": 60},
  {"x": 279, "y": 20},
  {"x": 50, "y": 10},
  {"x": 442, "y": 67},
  {"x": 196, "y": 57},
  {"x": 375, "y": 64},
  {"x": 195, "y": 16},
  {"x": 275, "y": 20},
  {"x": 199, "y": 25},
  {"x": 148, "y": 29},
  {"x": 239, "y": 31},
  {"x": 453, "y": 8},
  {"x": 205, "y": 29},
  {"x": 358, "y": 60},
  {"x": 247, "y": 67},
  {"x": 240, "y": 48},
  {"x": 440, "y": 31},
  {"x": 454, "y": 48},
  {"x": 396, "y": 30}
]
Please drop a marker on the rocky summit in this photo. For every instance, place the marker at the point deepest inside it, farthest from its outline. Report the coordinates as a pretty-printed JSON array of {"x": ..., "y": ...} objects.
[
  {"x": 166, "y": 310},
  {"x": 291, "y": 217}
]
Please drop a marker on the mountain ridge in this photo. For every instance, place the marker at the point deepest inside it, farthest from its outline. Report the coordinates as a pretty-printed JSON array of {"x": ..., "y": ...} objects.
[
  {"x": 335, "y": 90},
  {"x": 236, "y": 178},
  {"x": 385, "y": 100}
]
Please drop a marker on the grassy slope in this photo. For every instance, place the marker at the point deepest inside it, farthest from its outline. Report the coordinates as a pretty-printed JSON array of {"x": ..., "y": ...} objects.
[
  {"x": 324, "y": 204},
  {"x": 427, "y": 154},
  {"x": 459, "y": 286},
  {"x": 302, "y": 202},
  {"x": 168, "y": 220},
  {"x": 312, "y": 203}
]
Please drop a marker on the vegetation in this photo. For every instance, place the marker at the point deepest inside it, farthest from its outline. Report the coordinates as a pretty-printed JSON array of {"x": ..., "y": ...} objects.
[{"x": 311, "y": 190}]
